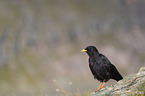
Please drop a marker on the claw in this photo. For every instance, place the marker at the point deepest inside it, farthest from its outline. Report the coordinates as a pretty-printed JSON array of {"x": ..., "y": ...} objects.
[{"x": 101, "y": 86}]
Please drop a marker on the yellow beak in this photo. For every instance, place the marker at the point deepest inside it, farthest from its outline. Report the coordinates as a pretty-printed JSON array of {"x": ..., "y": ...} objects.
[{"x": 84, "y": 50}]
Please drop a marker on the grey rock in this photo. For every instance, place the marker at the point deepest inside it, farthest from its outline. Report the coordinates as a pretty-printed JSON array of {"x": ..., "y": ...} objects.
[{"x": 131, "y": 85}]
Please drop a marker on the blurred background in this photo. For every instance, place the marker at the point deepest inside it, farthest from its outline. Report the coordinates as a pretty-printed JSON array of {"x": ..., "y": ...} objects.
[{"x": 40, "y": 43}]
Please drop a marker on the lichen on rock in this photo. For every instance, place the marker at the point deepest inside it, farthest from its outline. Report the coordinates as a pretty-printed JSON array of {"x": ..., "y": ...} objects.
[{"x": 130, "y": 85}]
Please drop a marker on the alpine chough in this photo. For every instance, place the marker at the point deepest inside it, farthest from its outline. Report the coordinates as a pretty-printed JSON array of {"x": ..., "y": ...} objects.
[{"x": 101, "y": 68}]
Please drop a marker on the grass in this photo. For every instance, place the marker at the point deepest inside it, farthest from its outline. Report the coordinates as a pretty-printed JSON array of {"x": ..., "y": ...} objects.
[{"x": 138, "y": 93}]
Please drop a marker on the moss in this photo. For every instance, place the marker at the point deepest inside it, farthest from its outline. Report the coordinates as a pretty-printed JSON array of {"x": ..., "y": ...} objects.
[{"x": 131, "y": 85}]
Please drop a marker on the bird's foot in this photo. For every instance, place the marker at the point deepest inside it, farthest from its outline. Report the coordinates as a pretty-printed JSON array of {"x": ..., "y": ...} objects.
[
  {"x": 96, "y": 90},
  {"x": 99, "y": 88}
]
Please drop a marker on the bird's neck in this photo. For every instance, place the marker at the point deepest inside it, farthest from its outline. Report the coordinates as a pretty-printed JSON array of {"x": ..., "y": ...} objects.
[{"x": 93, "y": 55}]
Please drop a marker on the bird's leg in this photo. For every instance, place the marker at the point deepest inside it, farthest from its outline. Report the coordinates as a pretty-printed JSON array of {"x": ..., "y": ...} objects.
[
  {"x": 102, "y": 85},
  {"x": 99, "y": 87}
]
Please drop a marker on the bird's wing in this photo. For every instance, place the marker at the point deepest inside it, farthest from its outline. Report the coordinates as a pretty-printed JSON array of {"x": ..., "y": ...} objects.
[
  {"x": 96, "y": 69},
  {"x": 111, "y": 69},
  {"x": 113, "y": 72},
  {"x": 104, "y": 59}
]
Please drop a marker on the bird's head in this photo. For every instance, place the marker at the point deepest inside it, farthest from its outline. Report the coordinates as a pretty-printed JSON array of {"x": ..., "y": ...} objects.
[{"x": 90, "y": 50}]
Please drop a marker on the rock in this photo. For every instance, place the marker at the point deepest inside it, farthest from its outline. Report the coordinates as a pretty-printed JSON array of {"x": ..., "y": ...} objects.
[{"x": 130, "y": 85}]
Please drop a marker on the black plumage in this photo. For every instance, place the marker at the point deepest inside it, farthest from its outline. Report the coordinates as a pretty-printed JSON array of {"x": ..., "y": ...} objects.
[{"x": 101, "y": 68}]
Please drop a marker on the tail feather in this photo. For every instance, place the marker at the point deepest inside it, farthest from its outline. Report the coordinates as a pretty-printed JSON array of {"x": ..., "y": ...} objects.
[{"x": 117, "y": 77}]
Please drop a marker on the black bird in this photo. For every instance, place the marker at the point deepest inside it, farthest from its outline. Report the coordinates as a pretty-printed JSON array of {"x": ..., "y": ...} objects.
[{"x": 102, "y": 69}]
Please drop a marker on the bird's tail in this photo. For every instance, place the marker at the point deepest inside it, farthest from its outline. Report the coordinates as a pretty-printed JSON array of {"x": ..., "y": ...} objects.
[{"x": 118, "y": 77}]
